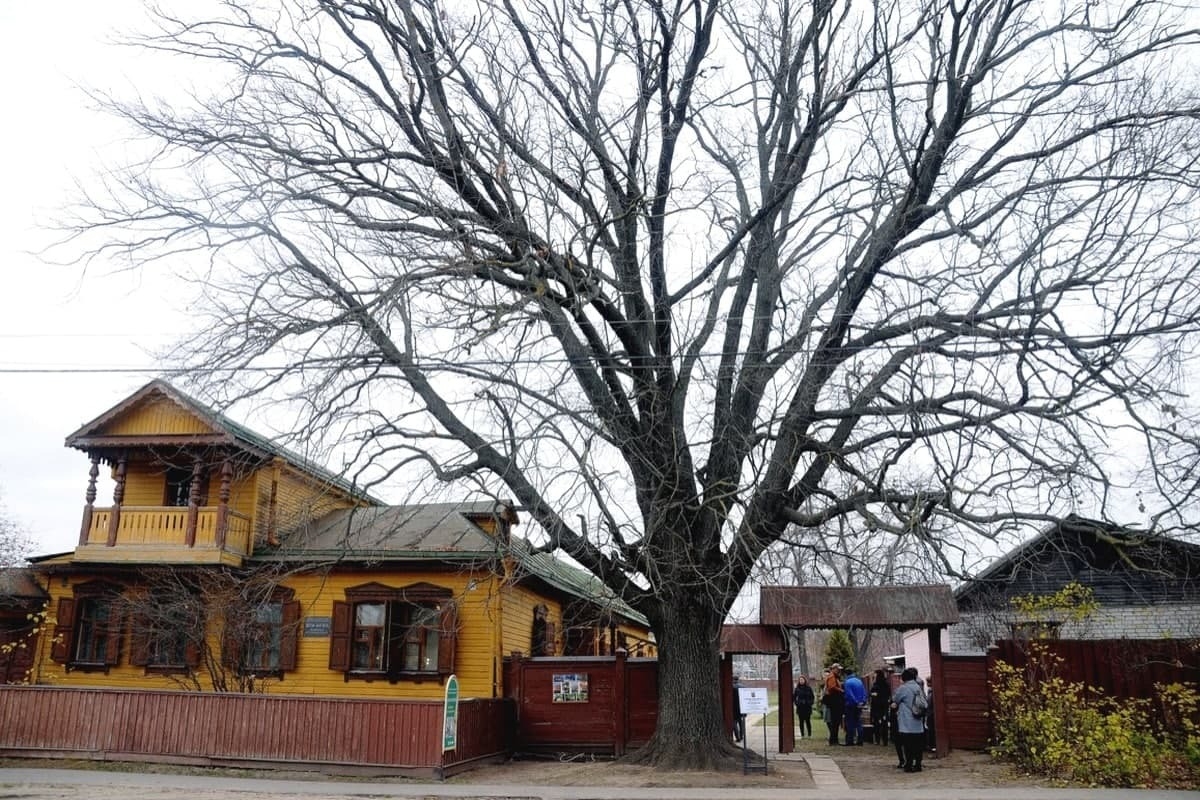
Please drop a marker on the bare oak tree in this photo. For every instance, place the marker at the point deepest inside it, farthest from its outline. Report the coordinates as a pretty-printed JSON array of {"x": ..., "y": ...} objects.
[{"x": 680, "y": 276}]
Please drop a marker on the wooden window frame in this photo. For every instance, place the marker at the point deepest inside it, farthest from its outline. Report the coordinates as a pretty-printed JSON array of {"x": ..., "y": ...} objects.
[
  {"x": 399, "y": 631},
  {"x": 65, "y": 647},
  {"x": 234, "y": 651},
  {"x": 177, "y": 486},
  {"x": 146, "y": 641}
]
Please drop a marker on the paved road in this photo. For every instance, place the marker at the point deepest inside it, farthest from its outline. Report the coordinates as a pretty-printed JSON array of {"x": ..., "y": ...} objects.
[{"x": 48, "y": 784}]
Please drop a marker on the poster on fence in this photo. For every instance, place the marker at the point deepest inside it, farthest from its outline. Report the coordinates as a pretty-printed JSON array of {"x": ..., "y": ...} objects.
[{"x": 571, "y": 687}]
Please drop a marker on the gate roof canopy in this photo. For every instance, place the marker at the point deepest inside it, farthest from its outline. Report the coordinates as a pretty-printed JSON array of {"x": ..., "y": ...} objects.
[{"x": 880, "y": 607}]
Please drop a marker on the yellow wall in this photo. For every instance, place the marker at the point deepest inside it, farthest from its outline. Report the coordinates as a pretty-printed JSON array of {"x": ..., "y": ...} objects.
[
  {"x": 519, "y": 602},
  {"x": 300, "y": 498},
  {"x": 155, "y": 415},
  {"x": 146, "y": 484},
  {"x": 477, "y": 662}
]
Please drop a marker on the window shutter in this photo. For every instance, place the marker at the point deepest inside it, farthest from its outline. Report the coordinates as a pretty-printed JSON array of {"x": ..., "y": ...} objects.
[
  {"x": 447, "y": 636},
  {"x": 64, "y": 631},
  {"x": 112, "y": 638},
  {"x": 231, "y": 645},
  {"x": 191, "y": 650},
  {"x": 551, "y": 638},
  {"x": 339, "y": 637},
  {"x": 288, "y": 635},
  {"x": 139, "y": 642}
]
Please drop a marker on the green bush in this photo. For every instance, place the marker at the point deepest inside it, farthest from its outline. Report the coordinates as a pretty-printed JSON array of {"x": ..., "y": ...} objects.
[{"x": 1062, "y": 730}]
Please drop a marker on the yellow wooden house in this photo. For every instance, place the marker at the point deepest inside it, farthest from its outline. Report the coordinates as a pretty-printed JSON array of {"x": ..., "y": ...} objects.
[{"x": 226, "y": 562}]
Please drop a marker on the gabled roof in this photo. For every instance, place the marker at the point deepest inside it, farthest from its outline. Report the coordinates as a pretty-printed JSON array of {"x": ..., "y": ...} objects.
[
  {"x": 225, "y": 432},
  {"x": 888, "y": 607},
  {"x": 413, "y": 532},
  {"x": 441, "y": 532},
  {"x": 1118, "y": 563}
]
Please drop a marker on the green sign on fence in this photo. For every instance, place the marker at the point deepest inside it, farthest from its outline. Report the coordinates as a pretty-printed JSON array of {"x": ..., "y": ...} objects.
[{"x": 450, "y": 715}]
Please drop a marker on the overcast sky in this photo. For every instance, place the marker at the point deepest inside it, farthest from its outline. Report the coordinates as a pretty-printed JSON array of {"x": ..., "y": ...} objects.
[{"x": 54, "y": 318}]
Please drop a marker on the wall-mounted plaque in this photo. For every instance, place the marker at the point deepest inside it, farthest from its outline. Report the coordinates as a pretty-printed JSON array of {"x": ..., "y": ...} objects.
[{"x": 317, "y": 626}]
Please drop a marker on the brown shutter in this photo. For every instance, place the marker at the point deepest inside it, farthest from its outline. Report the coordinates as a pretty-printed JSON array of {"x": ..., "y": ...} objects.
[
  {"x": 289, "y": 635},
  {"x": 112, "y": 636},
  {"x": 64, "y": 631},
  {"x": 139, "y": 641},
  {"x": 447, "y": 636},
  {"x": 551, "y": 638},
  {"x": 339, "y": 637},
  {"x": 231, "y": 644},
  {"x": 191, "y": 649}
]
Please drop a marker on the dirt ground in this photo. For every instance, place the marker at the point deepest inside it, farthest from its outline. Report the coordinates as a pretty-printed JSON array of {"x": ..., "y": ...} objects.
[{"x": 866, "y": 767}]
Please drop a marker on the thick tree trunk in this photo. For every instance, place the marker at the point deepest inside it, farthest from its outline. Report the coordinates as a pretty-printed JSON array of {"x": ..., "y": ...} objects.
[{"x": 691, "y": 732}]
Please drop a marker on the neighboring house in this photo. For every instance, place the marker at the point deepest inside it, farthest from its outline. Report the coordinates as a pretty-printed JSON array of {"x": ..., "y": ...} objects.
[
  {"x": 21, "y": 601},
  {"x": 228, "y": 562},
  {"x": 1145, "y": 587}
]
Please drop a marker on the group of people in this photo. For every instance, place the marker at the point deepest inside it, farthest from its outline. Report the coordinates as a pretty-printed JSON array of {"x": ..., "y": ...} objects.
[{"x": 905, "y": 716}]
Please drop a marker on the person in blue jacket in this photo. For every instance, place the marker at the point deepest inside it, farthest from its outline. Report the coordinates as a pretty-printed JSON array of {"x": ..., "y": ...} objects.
[{"x": 855, "y": 697}]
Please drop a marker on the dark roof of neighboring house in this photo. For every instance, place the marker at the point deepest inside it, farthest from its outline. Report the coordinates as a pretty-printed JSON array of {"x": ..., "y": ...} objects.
[
  {"x": 887, "y": 607},
  {"x": 441, "y": 532},
  {"x": 234, "y": 433},
  {"x": 1121, "y": 565},
  {"x": 20, "y": 583}
]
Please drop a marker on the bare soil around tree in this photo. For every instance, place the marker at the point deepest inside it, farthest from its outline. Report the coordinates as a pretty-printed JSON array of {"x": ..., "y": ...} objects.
[{"x": 866, "y": 767}]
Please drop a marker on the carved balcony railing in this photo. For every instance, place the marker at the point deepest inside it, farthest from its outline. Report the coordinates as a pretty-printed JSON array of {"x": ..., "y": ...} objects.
[{"x": 163, "y": 534}]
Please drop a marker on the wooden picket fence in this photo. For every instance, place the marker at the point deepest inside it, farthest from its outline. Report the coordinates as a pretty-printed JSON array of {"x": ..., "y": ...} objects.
[{"x": 393, "y": 736}]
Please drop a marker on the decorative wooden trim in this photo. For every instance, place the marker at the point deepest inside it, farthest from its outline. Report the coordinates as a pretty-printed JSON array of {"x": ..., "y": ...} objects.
[
  {"x": 223, "y": 505},
  {"x": 90, "y": 500},
  {"x": 194, "y": 501},
  {"x": 114, "y": 520},
  {"x": 273, "y": 507}
]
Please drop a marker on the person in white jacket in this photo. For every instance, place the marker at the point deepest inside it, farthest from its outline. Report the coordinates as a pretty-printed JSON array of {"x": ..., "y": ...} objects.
[{"x": 910, "y": 704}]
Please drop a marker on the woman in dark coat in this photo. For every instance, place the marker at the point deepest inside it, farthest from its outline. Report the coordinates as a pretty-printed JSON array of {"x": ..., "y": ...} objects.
[
  {"x": 881, "y": 698},
  {"x": 803, "y": 698}
]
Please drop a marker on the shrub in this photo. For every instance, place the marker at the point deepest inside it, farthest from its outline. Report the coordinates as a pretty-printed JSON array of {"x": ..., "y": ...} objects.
[{"x": 1062, "y": 730}]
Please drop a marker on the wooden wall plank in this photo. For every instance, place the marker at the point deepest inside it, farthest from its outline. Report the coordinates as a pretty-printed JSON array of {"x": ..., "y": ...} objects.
[{"x": 391, "y": 733}]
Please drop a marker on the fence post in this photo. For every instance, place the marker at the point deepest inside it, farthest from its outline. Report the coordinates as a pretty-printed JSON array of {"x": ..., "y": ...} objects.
[
  {"x": 937, "y": 678},
  {"x": 785, "y": 715},
  {"x": 620, "y": 702}
]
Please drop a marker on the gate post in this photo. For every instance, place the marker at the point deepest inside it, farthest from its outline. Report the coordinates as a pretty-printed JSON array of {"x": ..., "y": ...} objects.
[
  {"x": 937, "y": 676},
  {"x": 620, "y": 702},
  {"x": 787, "y": 724},
  {"x": 726, "y": 681}
]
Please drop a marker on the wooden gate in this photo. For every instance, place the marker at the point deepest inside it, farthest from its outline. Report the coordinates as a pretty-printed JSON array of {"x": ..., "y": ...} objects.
[{"x": 588, "y": 704}]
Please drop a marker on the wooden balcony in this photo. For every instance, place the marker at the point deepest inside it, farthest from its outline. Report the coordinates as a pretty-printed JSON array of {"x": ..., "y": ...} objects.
[{"x": 159, "y": 535}]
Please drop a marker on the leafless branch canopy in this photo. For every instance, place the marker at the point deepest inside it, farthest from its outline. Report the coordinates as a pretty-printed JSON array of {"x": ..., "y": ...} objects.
[{"x": 702, "y": 272}]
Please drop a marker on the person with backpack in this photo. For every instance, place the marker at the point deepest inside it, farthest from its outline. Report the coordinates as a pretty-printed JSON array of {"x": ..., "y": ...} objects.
[{"x": 911, "y": 705}]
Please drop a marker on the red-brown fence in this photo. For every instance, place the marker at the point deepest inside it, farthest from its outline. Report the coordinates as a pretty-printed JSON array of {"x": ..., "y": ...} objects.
[
  {"x": 1121, "y": 668},
  {"x": 619, "y": 712},
  {"x": 402, "y": 736}
]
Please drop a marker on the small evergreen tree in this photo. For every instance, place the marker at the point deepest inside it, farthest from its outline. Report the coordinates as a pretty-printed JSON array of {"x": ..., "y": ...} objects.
[{"x": 839, "y": 651}]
